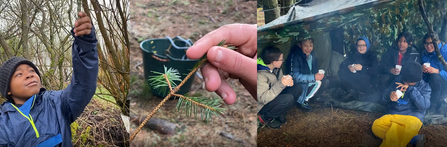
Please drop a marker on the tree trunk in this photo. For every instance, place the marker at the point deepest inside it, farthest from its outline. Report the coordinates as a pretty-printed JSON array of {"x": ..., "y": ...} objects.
[
  {"x": 5, "y": 46},
  {"x": 271, "y": 10},
  {"x": 431, "y": 32},
  {"x": 25, "y": 29},
  {"x": 286, "y": 4},
  {"x": 443, "y": 33}
]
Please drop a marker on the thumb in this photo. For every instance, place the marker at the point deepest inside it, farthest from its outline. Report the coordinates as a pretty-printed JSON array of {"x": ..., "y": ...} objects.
[{"x": 233, "y": 62}]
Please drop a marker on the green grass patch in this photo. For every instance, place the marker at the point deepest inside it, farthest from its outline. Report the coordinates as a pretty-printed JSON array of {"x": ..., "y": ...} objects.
[{"x": 102, "y": 94}]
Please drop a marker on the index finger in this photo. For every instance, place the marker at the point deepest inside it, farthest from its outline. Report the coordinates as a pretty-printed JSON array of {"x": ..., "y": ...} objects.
[
  {"x": 243, "y": 36},
  {"x": 81, "y": 14}
]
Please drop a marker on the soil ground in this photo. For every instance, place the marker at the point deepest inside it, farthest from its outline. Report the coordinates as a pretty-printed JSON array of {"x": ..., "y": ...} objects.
[
  {"x": 190, "y": 19},
  {"x": 326, "y": 126}
]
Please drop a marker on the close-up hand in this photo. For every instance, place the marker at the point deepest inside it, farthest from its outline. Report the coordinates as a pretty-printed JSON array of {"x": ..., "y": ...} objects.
[
  {"x": 424, "y": 69},
  {"x": 287, "y": 80},
  {"x": 83, "y": 25},
  {"x": 351, "y": 68},
  {"x": 319, "y": 76},
  {"x": 358, "y": 67},
  {"x": 394, "y": 71},
  {"x": 403, "y": 87},
  {"x": 393, "y": 96},
  {"x": 431, "y": 70},
  {"x": 239, "y": 63}
]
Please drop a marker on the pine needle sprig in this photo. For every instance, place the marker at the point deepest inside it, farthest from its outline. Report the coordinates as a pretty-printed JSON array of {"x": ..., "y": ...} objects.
[
  {"x": 207, "y": 107},
  {"x": 191, "y": 105},
  {"x": 158, "y": 81}
]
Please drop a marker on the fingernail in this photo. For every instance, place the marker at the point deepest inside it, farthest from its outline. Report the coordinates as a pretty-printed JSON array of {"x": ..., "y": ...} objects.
[
  {"x": 219, "y": 55},
  {"x": 224, "y": 96},
  {"x": 206, "y": 79}
]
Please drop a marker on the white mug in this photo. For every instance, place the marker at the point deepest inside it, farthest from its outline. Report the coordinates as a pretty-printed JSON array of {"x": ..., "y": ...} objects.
[
  {"x": 399, "y": 67},
  {"x": 399, "y": 93},
  {"x": 321, "y": 71},
  {"x": 427, "y": 64}
]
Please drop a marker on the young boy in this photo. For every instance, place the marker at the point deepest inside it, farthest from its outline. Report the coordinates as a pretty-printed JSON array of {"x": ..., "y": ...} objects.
[
  {"x": 302, "y": 65},
  {"x": 273, "y": 101},
  {"x": 32, "y": 116},
  {"x": 406, "y": 110}
]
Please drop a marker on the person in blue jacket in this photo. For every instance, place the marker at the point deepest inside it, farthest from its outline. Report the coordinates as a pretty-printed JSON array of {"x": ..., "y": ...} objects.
[
  {"x": 302, "y": 65},
  {"x": 33, "y": 116},
  {"x": 407, "y": 99},
  {"x": 435, "y": 74}
]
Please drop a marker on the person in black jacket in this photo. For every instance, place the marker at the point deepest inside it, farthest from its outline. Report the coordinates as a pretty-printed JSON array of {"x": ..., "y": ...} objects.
[
  {"x": 357, "y": 71},
  {"x": 401, "y": 53},
  {"x": 302, "y": 65}
]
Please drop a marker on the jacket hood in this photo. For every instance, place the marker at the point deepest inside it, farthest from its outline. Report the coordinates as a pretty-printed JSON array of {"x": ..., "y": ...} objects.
[
  {"x": 364, "y": 38},
  {"x": 261, "y": 65}
]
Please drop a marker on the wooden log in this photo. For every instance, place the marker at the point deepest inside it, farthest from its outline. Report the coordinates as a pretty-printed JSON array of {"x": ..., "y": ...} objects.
[{"x": 160, "y": 125}]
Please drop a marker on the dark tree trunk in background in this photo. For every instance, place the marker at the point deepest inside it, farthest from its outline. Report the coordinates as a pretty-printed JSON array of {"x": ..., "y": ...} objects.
[
  {"x": 286, "y": 4},
  {"x": 271, "y": 10},
  {"x": 337, "y": 39},
  {"x": 443, "y": 33}
]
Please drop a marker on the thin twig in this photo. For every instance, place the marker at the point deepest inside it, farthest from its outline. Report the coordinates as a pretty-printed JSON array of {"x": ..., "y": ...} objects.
[
  {"x": 167, "y": 80},
  {"x": 197, "y": 103},
  {"x": 211, "y": 18},
  {"x": 166, "y": 98}
]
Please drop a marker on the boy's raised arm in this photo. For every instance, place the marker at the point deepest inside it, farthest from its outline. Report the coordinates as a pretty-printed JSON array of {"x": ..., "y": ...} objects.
[{"x": 85, "y": 69}]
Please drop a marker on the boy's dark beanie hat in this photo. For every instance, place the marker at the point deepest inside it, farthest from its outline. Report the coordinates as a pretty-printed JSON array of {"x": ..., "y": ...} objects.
[
  {"x": 411, "y": 72},
  {"x": 7, "y": 70}
]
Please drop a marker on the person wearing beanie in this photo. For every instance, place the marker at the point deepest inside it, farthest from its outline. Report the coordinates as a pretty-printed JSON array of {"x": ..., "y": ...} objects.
[
  {"x": 435, "y": 74},
  {"x": 402, "y": 52},
  {"x": 407, "y": 99},
  {"x": 358, "y": 70},
  {"x": 33, "y": 116},
  {"x": 276, "y": 93}
]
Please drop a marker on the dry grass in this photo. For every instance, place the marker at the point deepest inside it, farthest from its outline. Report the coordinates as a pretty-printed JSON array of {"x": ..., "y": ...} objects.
[{"x": 100, "y": 125}]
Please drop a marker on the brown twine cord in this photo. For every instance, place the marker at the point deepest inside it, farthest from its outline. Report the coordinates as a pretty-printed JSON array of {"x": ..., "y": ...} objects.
[{"x": 160, "y": 59}]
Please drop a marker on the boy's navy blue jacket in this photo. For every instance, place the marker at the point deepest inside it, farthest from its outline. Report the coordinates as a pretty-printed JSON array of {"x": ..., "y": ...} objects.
[
  {"x": 54, "y": 111},
  {"x": 415, "y": 101},
  {"x": 296, "y": 65}
]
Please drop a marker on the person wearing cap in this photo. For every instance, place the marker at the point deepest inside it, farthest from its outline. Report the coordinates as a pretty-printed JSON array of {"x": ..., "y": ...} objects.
[
  {"x": 276, "y": 92},
  {"x": 406, "y": 111},
  {"x": 358, "y": 70},
  {"x": 302, "y": 65},
  {"x": 434, "y": 73},
  {"x": 402, "y": 51},
  {"x": 34, "y": 116}
]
